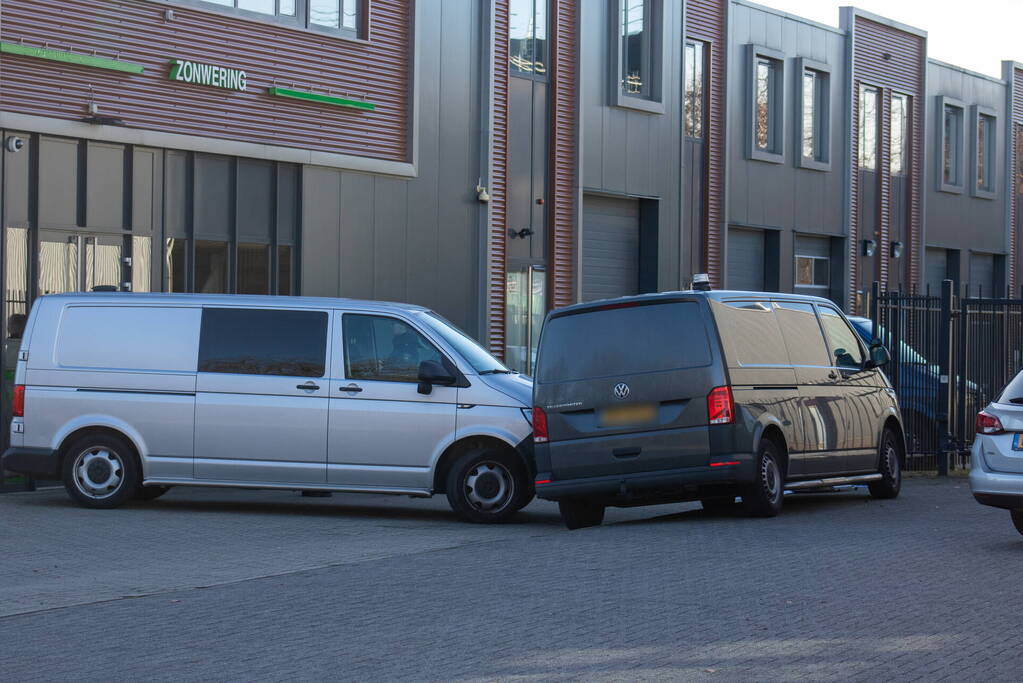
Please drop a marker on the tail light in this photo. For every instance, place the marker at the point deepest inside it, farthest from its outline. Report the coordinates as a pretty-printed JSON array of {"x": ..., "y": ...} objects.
[
  {"x": 720, "y": 406},
  {"x": 988, "y": 424},
  {"x": 18, "y": 401},
  {"x": 539, "y": 425}
]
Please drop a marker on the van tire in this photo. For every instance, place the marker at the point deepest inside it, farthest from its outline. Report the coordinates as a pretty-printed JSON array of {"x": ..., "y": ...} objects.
[
  {"x": 763, "y": 497},
  {"x": 579, "y": 514},
  {"x": 114, "y": 462},
  {"x": 146, "y": 493},
  {"x": 1017, "y": 519},
  {"x": 485, "y": 474},
  {"x": 889, "y": 467}
]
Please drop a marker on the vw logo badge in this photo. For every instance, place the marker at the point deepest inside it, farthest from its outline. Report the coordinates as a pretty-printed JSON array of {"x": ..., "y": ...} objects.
[{"x": 621, "y": 390}]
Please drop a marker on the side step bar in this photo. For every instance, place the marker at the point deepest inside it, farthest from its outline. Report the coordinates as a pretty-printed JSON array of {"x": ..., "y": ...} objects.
[{"x": 833, "y": 481}]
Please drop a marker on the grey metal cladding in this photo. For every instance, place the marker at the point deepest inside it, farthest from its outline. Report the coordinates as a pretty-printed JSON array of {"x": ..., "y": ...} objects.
[
  {"x": 784, "y": 195},
  {"x": 952, "y": 217}
]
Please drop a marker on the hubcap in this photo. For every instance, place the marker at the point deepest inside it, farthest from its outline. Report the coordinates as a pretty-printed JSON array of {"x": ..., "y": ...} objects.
[
  {"x": 98, "y": 472},
  {"x": 770, "y": 477},
  {"x": 892, "y": 461},
  {"x": 489, "y": 486}
]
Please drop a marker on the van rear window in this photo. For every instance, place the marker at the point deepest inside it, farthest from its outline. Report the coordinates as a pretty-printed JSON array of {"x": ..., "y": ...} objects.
[{"x": 623, "y": 341}]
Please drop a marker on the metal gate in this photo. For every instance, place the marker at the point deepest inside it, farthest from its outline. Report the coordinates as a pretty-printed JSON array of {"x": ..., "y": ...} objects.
[{"x": 952, "y": 354}]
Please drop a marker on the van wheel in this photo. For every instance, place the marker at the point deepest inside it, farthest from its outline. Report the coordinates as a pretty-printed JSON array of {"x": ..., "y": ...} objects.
[
  {"x": 487, "y": 485},
  {"x": 579, "y": 514},
  {"x": 763, "y": 497},
  {"x": 1017, "y": 520},
  {"x": 888, "y": 466},
  {"x": 101, "y": 471},
  {"x": 150, "y": 492}
]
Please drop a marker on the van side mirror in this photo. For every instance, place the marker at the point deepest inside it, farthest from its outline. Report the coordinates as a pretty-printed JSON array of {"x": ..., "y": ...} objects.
[
  {"x": 879, "y": 356},
  {"x": 431, "y": 372}
]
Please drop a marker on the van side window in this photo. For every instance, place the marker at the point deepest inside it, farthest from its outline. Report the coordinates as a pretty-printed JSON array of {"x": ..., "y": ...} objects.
[
  {"x": 750, "y": 333},
  {"x": 385, "y": 349},
  {"x": 252, "y": 341},
  {"x": 842, "y": 340},
  {"x": 802, "y": 332}
]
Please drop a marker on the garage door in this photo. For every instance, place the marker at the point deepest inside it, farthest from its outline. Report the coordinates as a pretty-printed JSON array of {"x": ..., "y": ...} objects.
[
  {"x": 745, "y": 259},
  {"x": 610, "y": 247},
  {"x": 982, "y": 274},
  {"x": 935, "y": 268}
]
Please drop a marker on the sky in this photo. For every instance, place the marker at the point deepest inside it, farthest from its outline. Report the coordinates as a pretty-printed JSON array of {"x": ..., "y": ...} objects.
[{"x": 974, "y": 34}]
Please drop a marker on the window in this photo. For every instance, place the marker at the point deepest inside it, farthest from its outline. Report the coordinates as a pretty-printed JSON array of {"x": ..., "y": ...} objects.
[
  {"x": 750, "y": 333},
  {"x": 385, "y": 349},
  {"x": 802, "y": 332},
  {"x": 814, "y": 120},
  {"x": 984, "y": 143},
  {"x": 842, "y": 340},
  {"x": 813, "y": 271},
  {"x": 900, "y": 135},
  {"x": 527, "y": 37},
  {"x": 637, "y": 54},
  {"x": 694, "y": 97},
  {"x": 284, "y": 270},
  {"x": 525, "y": 308},
  {"x": 175, "y": 267},
  {"x": 950, "y": 174},
  {"x": 253, "y": 269},
  {"x": 336, "y": 16},
  {"x": 868, "y": 137},
  {"x": 767, "y": 110},
  {"x": 210, "y": 267},
  {"x": 253, "y": 341},
  {"x": 478, "y": 357}
]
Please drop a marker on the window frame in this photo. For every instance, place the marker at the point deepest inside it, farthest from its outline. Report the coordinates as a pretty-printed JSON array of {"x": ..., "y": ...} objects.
[
  {"x": 702, "y": 49},
  {"x": 861, "y": 129},
  {"x": 299, "y": 22},
  {"x": 775, "y": 152},
  {"x": 821, "y": 113},
  {"x": 959, "y": 148},
  {"x": 534, "y": 75},
  {"x": 659, "y": 39},
  {"x": 815, "y": 259},
  {"x": 990, "y": 190}
]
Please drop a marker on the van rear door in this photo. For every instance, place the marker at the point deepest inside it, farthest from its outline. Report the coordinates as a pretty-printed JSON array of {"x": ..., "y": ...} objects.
[{"x": 625, "y": 387}]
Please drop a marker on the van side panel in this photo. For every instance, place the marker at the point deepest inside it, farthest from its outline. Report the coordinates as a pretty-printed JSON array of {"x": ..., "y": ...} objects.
[{"x": 119, "y": 366}]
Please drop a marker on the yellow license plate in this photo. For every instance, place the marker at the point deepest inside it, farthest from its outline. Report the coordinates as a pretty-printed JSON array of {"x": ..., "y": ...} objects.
[{"x": 634, "y": 414}]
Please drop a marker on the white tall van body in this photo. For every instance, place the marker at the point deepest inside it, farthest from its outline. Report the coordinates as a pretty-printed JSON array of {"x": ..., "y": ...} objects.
[{"x": 124, "y": 395}]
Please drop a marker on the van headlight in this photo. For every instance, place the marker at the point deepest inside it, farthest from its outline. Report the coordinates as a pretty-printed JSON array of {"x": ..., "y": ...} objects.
[{"x": 528, "y": 414}]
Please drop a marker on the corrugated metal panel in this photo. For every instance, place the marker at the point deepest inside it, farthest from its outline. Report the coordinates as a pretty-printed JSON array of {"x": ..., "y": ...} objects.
[
  {"x": 746, "y": 259},
  {"x": 854, "y": 203},
  {"x": 895, "y": 61},
  {"x": 1015, "y": 210},
  {"x": 136, "y": 31},
  {"x": 498, "y": 184},
  {"x": 563, "y": 155},
  {"x": 707, "y": 20}
]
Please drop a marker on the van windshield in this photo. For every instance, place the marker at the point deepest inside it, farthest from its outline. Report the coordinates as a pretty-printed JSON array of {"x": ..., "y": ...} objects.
[
  {"x": 474, "y": 354},
  {"x": 623, "y": 341}
]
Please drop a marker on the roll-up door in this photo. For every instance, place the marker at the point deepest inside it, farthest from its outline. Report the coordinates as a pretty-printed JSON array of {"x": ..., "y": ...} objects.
[
  {"x": 610, "y": 247},
  {"x": 935, "y": 268},
  {"x": 982, "y": 274},
  {"x": 745, "y": 259}
]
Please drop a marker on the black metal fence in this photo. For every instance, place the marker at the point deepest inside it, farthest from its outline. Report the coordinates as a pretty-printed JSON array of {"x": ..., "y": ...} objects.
[{"x": 951, "y": 355}]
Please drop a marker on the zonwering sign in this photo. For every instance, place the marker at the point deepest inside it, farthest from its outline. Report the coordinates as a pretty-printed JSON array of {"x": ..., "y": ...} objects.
[{"x": 207, "y": 74}]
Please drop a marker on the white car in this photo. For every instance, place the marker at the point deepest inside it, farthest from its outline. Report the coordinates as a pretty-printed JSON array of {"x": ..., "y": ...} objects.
[{"x": 996, "y": 474}]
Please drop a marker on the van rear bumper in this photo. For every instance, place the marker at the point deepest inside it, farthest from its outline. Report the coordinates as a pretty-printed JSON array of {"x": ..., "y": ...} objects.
[
  {"x": 685, "y": 482},
  {"x": 39, "y": 463}
]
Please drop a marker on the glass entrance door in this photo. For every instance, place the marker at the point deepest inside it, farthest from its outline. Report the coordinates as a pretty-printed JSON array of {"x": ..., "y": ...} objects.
[{"x": 79, "y": 262}]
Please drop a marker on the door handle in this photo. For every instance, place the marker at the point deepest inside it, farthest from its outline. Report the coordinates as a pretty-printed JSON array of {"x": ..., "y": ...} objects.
[
  {"x": 352, "y": 388},
  {"x": 311, "y": 386}
]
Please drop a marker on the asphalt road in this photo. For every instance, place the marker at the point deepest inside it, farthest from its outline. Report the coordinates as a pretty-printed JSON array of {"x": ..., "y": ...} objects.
[{"x": 247, "y": 585}]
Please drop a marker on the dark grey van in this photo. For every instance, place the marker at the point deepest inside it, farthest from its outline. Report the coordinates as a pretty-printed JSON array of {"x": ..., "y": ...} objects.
[{"x": 707, "y": 396}]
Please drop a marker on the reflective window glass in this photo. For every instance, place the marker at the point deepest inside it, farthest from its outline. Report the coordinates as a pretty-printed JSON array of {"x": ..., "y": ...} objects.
[
  {"x": 694, "y": 114},
  {"x": 803, "y": 337},
  {"x": 284, "y": 270},
  {"x": 900, "y": 135},
  {"x": 636, "y": 48},
  {"x": 842, "y": 340},
  {"x": 253, "y": 269},
  {"x": 868, "y": 129},
  {"x": 211, "y": 267},
  {"x": 385, "y": 349},
  {"x": 953, "y": 131},
  {"x": 255, "y": 341},
  {"x": 175, "y": 266}
]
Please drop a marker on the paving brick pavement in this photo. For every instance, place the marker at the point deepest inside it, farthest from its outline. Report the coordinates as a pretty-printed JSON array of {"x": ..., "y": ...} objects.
[{"x": 258, "y": 586}]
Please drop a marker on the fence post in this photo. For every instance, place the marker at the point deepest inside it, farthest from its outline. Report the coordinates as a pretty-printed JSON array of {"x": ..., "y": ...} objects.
[
  {"x": 875, "y": 294},
  {"x": 944, "y": 370}
]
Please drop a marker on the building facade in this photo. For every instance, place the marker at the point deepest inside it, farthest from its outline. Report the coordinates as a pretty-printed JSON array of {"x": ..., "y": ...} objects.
[{"x": 493, "y": 159}]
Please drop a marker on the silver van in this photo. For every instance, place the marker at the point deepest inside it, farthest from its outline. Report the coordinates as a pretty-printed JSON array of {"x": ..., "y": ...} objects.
[{"x": 122, "y": 396}]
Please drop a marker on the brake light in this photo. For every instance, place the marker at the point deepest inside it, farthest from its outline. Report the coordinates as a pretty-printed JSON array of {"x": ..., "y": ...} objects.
[
  {"x": 720, "y": 406},
  {"x": 18, "y": 401},
  {"x": 539, "y": 425},
  {"x": 988, "y": 424}
]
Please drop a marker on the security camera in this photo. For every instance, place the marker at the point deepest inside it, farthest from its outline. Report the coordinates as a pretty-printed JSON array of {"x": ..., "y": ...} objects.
[{"x": 13, "y": 144}]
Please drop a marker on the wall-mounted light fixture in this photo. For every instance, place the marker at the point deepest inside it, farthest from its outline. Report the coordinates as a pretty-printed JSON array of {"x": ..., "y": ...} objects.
[
  {"x": 869, "y": 247},
  {"x": 481, "y": 192},
  {"x": 896, "y": 249}
]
